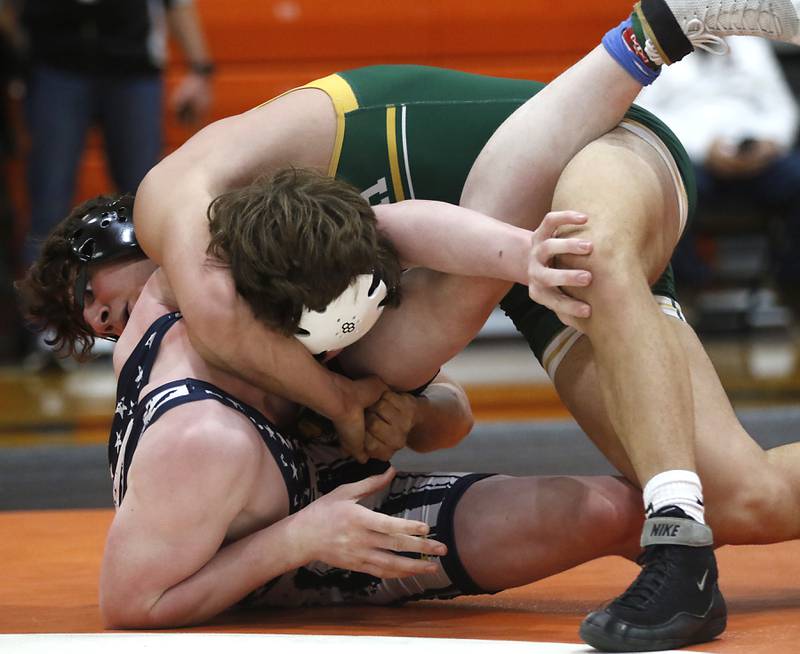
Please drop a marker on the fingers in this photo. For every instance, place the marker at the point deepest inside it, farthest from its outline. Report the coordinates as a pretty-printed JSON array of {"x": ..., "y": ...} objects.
[
  {"x": 377, "y": 449},
  {"x": 390, "y": 525},
  {"x": 368, "y": 486},
  {"x": 555, "y": 219},
  {"x": 551, "y": 278},
  {"x": 563, "y": 305},
  {"x": 554, "y": 246},
  {"x": 386, "y": 565},
  {"x": 389, "y": 435},
  {"x": 353, "y": 445},
  {"x": 545, "y": 281},
  {"x": 388, "y": 423},
  {"x": 369, "y": 389},
  {"x": 405, "y": 543}
]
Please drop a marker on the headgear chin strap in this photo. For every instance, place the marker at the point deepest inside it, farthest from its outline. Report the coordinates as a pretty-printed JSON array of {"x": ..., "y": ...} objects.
[{"x": 346, "y": 319}]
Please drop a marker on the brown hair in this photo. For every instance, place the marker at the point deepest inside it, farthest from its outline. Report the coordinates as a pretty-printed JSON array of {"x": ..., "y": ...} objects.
[
  {"x": 46, "y": 292},
  {"x": 298, "y": 239}
]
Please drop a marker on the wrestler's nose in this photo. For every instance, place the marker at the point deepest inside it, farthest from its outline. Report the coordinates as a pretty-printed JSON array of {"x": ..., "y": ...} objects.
[{"x": 99, "y": 318}]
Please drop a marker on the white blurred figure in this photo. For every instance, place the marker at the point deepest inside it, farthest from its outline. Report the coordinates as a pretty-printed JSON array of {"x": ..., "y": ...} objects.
[{"x": 738, "y": 120}]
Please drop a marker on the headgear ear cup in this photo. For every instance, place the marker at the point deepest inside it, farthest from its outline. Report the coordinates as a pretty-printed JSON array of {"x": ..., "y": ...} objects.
[{"x": 346, "y": 318}]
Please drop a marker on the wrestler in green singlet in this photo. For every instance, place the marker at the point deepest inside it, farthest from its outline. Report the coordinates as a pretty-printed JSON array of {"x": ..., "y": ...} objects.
[{"x": 407, "y": 132}]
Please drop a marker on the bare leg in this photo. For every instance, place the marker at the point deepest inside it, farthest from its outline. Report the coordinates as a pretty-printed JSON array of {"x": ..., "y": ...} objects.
[
  {"x": 534, "y": 527},
  {"x": 642, "y": 369},
  {"x": 513, "y": 180},
  {"x": 752, "y": 496}
]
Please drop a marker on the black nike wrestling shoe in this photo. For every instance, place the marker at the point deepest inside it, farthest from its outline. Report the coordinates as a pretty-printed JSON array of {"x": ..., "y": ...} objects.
[{"x": 675, "y": 600}]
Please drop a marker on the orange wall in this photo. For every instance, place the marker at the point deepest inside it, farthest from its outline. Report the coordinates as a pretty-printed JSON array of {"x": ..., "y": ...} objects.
[{"x": 263, "y": 47}]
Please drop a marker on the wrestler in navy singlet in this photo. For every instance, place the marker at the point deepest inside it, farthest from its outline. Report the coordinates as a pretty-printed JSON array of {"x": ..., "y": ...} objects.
[{"x": 309, "y": 469}]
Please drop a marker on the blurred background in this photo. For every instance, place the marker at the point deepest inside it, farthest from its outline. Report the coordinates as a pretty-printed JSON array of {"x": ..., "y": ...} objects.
[{"x": 94, "y": 92}]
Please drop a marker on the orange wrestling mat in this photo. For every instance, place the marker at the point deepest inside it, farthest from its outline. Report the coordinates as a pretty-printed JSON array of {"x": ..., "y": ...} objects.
[{"x": 50, "y": 561}]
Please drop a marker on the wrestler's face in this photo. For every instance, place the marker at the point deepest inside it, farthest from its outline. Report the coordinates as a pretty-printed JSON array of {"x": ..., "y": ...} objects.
[{"x": 112, "y": 291}]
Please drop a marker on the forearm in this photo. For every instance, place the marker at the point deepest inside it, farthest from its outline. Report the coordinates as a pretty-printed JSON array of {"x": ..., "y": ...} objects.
[
  {"x": 274, "y": 363},
  {"x": 232, "y": 573},
  {"x": 185, "y": 26},
  {"x": 456, "y": 240},
  {"x": 224, "y": 332},
  {"x": 444, "y": 417}
]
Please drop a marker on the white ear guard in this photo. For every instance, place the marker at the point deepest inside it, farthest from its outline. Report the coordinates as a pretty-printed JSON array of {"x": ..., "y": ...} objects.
[{"x": 345, "y": 319}]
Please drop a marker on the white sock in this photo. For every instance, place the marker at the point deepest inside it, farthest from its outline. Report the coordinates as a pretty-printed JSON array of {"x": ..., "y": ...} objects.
[{"x": 681, "y": 488}]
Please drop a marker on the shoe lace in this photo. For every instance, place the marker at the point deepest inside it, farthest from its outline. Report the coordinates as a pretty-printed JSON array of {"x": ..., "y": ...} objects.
[
  {"x": 735, "y": 15},
  {"x": 698, "y": 36},
  {"x": 656, "y": 563},
  {"x": 727, "y": 16}
]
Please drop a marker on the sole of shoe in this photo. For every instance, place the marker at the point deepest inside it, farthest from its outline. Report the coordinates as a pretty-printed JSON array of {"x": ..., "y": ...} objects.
[
  {"x": 638, "y": 640},
  {"x": 598, "y": 630}
]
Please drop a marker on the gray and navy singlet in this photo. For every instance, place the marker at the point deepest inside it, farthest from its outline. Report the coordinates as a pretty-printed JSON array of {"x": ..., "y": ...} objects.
[{"x": 310, "y": 470}]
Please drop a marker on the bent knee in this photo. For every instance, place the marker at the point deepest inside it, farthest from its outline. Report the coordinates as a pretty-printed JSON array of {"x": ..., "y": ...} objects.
[
  {"x": 615, "y": 507},
  {"x": 616, "y": 274},
  {"x": 761, "y": 510}
]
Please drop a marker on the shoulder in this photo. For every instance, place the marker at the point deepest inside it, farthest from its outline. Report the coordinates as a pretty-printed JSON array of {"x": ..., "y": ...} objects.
[{"x": 202, "y": 444}]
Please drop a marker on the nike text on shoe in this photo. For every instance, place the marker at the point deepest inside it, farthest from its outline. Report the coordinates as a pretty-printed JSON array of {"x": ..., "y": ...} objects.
[
  {"x": 676, "y": 27},
  {"x": 675, "y": 600}
]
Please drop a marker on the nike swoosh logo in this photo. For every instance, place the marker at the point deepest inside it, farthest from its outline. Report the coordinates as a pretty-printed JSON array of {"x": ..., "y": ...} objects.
[{"x": 702, "y": 583}]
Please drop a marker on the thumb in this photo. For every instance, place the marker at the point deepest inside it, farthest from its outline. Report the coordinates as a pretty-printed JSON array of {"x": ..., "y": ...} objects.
[
  {"x": 371, "y": 484},
  {"x": 372, "y": 388}
]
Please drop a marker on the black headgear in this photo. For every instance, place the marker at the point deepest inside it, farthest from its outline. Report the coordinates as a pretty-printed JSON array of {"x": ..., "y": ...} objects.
[{"x": 104, "y": 233}]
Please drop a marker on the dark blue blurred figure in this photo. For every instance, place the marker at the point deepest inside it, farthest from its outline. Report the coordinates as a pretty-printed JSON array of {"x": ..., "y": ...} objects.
[
  {"x": 100, "y": 62},
  {"x": 738, "y": 119},
  {"x": 11, "y": 71}
]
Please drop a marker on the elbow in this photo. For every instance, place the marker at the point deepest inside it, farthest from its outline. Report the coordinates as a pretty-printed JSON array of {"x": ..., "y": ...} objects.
[
  {"x": 123, "y": 606},
  {"x": 124, "y": 612},
  {"x": 467, "y": 423},
  {"x": 465, "y": 420},
  {"x": 461, "y": 428},
  {"x": 455, "y": 432}
]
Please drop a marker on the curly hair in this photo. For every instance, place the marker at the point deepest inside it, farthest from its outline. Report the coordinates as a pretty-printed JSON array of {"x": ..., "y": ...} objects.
[
  {"x": 298, "y": 239},
  {"x": 47, "y": 290}
]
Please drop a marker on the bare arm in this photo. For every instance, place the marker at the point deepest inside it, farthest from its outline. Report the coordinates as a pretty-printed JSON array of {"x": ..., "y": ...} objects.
[
  {"x": 162, "y": 563},
  {"x": 192, "y": 98},
  {"x": 185, "y": 25},
  {"x": 438, "y": 418},
  {"x": 444, "y": 416},
  {"x": 165, "y": 563},
  {"x": 455, "y": 240},
  {"x": 172, "y": 228}
]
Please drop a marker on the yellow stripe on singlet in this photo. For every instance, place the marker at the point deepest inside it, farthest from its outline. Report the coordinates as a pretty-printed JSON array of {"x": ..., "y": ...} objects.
[
  {"x": 394, "y": 162},
  {"x": 344, "y": 100}
]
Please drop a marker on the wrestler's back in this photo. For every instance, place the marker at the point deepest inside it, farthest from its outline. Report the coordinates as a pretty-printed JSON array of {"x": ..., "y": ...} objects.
[{"x": 296, "y": 129}]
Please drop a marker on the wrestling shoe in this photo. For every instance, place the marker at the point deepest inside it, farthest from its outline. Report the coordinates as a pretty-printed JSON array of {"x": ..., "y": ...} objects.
[
  {"x": 675, "y": 600},
  {"x": 674, "y": 28}
]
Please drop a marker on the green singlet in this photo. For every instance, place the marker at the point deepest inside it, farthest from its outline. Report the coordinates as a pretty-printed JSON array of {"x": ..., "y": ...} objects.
[{"x": 406, "y": 132}]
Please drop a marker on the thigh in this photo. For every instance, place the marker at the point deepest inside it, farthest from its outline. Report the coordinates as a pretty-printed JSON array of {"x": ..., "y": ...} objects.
[
  {"x": 430, "y": 497},
  {"x": 438, "y": 316},
  {"x": 628, "y": 190}
]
